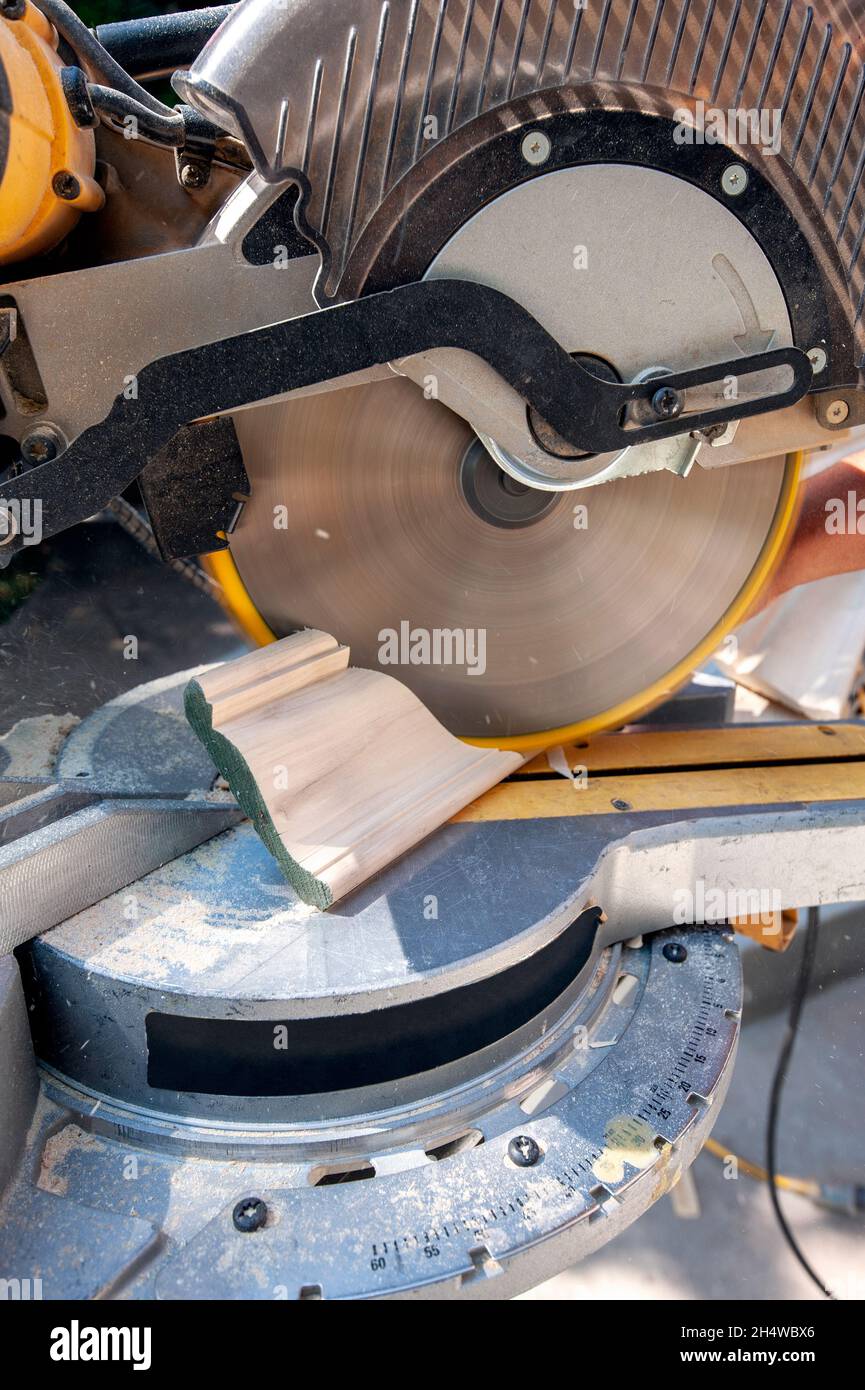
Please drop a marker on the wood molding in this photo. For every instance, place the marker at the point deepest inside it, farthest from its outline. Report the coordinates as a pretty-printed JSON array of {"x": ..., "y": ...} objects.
[{"x": 340, "y": 770}]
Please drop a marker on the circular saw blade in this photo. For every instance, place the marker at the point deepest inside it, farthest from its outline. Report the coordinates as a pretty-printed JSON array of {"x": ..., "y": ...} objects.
[{"x": 358, "y": 525}]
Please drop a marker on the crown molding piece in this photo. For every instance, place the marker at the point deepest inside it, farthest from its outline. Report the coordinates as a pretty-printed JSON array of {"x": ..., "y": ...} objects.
[{"x": 340, "y": 770}]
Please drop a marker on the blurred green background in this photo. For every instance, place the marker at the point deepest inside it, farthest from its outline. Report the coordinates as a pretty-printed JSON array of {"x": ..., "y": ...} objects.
[{"x": 95, "y": 12}]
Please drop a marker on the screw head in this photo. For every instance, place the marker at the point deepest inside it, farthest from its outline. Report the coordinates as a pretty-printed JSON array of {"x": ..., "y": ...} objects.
[
  {"x": 667, "y": 403},
  {"x": 536, "y": 147},
  {"x": 621, "y": 805},
  {"x": 42, "y": 444},
  {"x": 249, "y": 1215},
  {"x": 8, "y": 526},
  {"x": 674, "y": 951},
  {"x": 837, "y": 412},
  {"x": 523, "y": 1151},
  {"x": 734, "y": 180},
  {"x": 38, "y": 448},
  {"x": 193, "y": 175},
  {"x": 817, "y": 357},
  {"x": 714, "y": 434},
  {"x": 66, "y": 185}
]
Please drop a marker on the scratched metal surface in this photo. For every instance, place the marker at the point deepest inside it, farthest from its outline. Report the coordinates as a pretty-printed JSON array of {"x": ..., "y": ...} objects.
[
  {"x": 614, "y": 1134},
  {"x": 218, "y": 934}
]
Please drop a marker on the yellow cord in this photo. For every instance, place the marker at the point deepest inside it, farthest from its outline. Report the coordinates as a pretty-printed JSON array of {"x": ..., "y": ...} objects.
[
  {"x": 803, "y": 1186},
  {"x": 233, "y": 597}
]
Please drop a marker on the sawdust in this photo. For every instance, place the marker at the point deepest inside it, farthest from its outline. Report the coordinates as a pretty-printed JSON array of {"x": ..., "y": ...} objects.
[
  {"x": 56, "y": 1151},
  {"x": 32, "y": 744},
  {"x": 158, "y": 931}
]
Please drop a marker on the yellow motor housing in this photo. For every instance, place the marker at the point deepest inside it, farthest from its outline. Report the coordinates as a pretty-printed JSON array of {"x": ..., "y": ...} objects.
[{"x": 46, "y": 160}]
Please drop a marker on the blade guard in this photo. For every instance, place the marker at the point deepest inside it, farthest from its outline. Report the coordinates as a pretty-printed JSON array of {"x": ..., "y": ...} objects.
[{"x": 345, "y": 100}]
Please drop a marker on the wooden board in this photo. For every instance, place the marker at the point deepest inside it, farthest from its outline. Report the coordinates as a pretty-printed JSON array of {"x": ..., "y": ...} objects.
[
  {"x": 530, "y": 799},
  {"x": 340, "y": 769},
  {"x": 730, "y": 746}
]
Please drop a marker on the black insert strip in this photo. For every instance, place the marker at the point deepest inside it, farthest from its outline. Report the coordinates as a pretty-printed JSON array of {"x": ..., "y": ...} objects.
[{"x": 243, "y": 1057}]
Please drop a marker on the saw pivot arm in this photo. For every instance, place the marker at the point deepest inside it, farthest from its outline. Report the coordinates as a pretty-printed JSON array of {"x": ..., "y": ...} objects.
[{"x": 219, "y": 377}]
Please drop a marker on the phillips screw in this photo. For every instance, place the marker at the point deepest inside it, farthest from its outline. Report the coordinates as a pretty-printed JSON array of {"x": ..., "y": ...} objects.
[{"x": 667, "y": 403}]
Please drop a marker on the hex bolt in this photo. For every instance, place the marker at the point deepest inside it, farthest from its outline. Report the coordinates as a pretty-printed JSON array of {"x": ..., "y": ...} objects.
[
  {"x": 523, "y": 1151},
  {"x": 66, "y": 185},
  {"x": 667, "y": 403},
  {"x": 734, "y": 180},
  {"x": 674, "y": 951},
  {"x": 249, "y": 1215},
  {"x": 817, "y": 357},
  {"x": 837, "y": 412},
  {"x": 536, "y": 147}
]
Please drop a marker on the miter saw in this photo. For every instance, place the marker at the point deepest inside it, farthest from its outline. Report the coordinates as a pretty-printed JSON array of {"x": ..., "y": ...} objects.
[{"x": 437, "y": 316}]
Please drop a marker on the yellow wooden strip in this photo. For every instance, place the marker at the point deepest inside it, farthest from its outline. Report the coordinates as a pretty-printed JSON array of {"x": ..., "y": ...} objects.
[
  {"x": 707, "y": 747},
  {"x": 674, "y": 791}
]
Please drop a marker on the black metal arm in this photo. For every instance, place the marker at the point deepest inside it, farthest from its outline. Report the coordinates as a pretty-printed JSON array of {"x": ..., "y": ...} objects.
[{"x": 323, "y": 346}]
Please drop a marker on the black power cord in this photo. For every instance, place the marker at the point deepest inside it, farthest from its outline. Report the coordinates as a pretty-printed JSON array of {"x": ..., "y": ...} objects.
[
  {"x": 98, "y": 64},
  {"x": 809, "y": 952},
  {"x": 167, "y": 128}
]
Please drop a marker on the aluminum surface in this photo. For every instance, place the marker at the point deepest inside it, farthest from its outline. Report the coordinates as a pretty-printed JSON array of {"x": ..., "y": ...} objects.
[
  {"x": 596, "y": 1077},
  {"x": 129, "y": 793},
  {"x": 619, "y": 1093},
  {"x": 618, "y": 1081},
  {"x": 63, "y": 868},
  {"x": 19, "y": 1086},
  {"x": 93, "y": 330}
]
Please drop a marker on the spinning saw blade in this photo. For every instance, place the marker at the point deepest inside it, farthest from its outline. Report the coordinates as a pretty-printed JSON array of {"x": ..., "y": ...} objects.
[
  {"x": 562, "y": 625},
  {"x": 516, "y": 611},
  {"x": 560, "y": 156}
]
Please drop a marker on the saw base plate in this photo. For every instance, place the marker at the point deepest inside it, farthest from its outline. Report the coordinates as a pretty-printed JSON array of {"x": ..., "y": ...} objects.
[{"x": 385, "y": 1183}]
